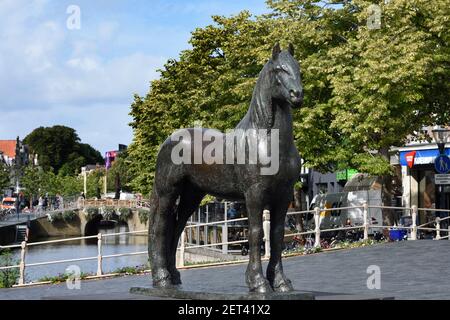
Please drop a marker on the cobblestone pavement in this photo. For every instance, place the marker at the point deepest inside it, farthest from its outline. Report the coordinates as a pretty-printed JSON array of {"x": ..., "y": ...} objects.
[{"x": 409, "y": 270}]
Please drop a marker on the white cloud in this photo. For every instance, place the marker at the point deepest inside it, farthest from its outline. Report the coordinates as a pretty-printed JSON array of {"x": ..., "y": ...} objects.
[
  {"x": 51, "y": 75},
  {"x": 86, "y": 78}
]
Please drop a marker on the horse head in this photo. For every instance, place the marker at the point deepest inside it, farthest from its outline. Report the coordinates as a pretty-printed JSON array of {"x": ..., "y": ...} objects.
[{"x": 286, "y": 77}]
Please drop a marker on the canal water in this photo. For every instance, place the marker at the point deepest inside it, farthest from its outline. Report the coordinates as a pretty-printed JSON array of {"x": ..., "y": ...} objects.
[{"x": 83, "y": 249}]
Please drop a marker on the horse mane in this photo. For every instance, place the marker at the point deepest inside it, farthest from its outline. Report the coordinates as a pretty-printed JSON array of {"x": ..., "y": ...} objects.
[{"x": 260, "y": 113}]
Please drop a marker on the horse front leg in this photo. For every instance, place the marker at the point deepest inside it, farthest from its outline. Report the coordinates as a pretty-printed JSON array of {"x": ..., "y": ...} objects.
[
  {"x": 254, "y": 275},
  {"x": 275, "y": 274},
  {"x": 161, "y": 229}
]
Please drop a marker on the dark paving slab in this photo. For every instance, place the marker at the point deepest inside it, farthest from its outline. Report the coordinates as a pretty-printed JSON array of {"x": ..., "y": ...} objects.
[{"x": 409, "y": 270}]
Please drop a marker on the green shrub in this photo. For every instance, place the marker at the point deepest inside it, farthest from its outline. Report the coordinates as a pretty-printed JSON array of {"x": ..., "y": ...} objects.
[
  {"x": 55, "y": 217},
  {"x": 90, "y": 213},
  {"x": 69, "y": 215},
  {"x": 130, "y": 270},
  {"x": 124, "y": 214},
  {"x": 62, "y": 277},
  {"x": 8, "y": 277},
  {"x": 143, "y": 215},
  {"x": 109, "y": 213}
]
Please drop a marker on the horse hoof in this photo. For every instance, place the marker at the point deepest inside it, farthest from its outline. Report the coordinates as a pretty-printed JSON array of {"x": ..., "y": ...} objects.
[
  {"x": 263, "y": 287},
  {"x": 283, "y": 286},
  {"x": 176, "y": 278},
  {"x": 165, "y": 284},
  {"x": 162, "y": 279}
]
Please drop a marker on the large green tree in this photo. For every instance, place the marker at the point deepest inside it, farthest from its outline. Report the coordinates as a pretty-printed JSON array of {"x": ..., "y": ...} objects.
[
  {"x": 367, "y": 88},
  {"x": 59, "y": 149},
  {"x": 384, "y": 80}
]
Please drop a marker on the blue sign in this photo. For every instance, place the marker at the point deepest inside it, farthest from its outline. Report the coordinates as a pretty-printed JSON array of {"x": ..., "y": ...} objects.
[
  {"x": 422, "y": 156},
  {"x": 442, "y": 164}
]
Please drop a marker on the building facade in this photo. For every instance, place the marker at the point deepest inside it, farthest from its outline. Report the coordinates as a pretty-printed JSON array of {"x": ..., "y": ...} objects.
[
  {"x": 15, "y": 154},
  {"x": 421, "y": 186}
]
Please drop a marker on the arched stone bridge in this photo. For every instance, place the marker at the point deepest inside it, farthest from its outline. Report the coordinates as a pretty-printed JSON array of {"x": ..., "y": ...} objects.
[{"x": 85, "y": 218}]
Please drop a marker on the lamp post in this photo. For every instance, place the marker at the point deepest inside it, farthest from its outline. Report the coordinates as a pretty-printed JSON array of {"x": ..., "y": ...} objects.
[{"x": 441, "y": 136}]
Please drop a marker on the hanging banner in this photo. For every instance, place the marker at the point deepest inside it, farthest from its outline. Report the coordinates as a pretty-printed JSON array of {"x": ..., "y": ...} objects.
[{"x": 410, "y": 157}]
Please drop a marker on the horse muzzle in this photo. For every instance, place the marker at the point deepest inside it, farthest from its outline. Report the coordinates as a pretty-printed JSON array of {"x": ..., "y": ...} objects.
[{"x": 296, "y": 98}]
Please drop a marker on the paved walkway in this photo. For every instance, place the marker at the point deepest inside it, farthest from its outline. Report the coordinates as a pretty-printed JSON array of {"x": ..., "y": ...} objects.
[{"x": 409, "y": 270}]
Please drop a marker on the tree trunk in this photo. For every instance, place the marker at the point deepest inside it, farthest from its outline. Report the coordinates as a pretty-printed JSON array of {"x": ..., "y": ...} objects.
[
  {"x": 386, "y": 193},
  {"x": 118, "y": 187}
]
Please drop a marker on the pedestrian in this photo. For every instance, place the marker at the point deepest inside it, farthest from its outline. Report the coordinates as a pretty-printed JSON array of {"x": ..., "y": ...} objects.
[
  {"x": 45, "y": 202},
  {"x": 57, "y": 204},
  {"x": 61, "y": 201},
  {"x": 40, "y": 204}
]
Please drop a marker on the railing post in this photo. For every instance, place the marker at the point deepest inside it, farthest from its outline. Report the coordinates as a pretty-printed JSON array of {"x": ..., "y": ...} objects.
[
  {"x": 317, "y": 226},
  {"x": 366, "y": 221},
  {"x": 266, "y": 229},
  {"x": 99, "y": 255},
  {"x": 190, "y": 231},
  {"x": 438, "y": 228},
  {"x": 205, "y": 228},
  {"x": 225, "y": 231},
  {"x": 23, "y": 246},
  {"x": 182, "y": 249},
  {"x": 414, "y": 223},
  {"x": 197, "y": 233}
]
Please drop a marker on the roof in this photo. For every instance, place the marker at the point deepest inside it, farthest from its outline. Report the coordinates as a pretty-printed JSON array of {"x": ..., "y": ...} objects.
[
  {"x": 8, "y": 147},
  {"x": 362, "y": 181}
]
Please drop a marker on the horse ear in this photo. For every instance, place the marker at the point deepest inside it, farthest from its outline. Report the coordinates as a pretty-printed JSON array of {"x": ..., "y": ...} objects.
[
  {"x": 291, "y": 49},
  {"x": 276, "y": 51}
]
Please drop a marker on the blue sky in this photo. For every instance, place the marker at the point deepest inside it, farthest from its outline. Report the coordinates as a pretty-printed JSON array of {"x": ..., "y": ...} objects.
[{"x": 86, "y": 78}]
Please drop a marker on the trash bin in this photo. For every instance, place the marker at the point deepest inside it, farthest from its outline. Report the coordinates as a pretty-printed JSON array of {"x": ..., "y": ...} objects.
[{"x": 397, "y": 235}]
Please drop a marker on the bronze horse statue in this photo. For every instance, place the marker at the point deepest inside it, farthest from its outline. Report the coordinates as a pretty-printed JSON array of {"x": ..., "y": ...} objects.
[{"x": 180, "y": 187}]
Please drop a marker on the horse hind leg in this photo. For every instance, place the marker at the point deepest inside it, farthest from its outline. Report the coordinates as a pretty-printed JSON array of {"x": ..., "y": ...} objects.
[
  {"x": 189, "y": 202},
  {"x": 161, "y": 229}
]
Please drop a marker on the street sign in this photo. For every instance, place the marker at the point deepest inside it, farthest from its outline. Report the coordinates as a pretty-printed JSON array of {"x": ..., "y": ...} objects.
[
  {"x": 440, "y": 179},
  {"x": 442, "y": 164}
]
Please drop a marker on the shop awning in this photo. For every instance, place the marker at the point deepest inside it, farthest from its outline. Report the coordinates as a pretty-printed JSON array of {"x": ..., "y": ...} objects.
[{"x": 419, "y": 157}]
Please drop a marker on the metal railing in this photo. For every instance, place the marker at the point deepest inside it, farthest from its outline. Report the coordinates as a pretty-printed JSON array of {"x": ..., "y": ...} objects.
[{"x": 365, "y": 226}]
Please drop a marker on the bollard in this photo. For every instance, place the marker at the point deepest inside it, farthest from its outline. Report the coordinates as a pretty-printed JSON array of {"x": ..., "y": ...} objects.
[
  {"x": 366, "y": 221},
  {"x": 317, "y": 226},
  {"x": 99, "y": 255},
  {"x": 23, "y": 246},
  {"x": 182, "y": 248},
  {"x": 266, "y": 229},
  {"x": 414, "y": 224},
  {"x": 438, "y": 229}
]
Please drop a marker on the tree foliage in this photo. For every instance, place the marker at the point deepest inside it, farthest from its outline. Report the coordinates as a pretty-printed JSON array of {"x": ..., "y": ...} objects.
[
  {"x": 4, "y": 176},
  {"x": 38, "y": 182},
  {"x": 366, "y": 89},
  {"x": 59, "y": 149},
  {"x": 119, "y": 175}
]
